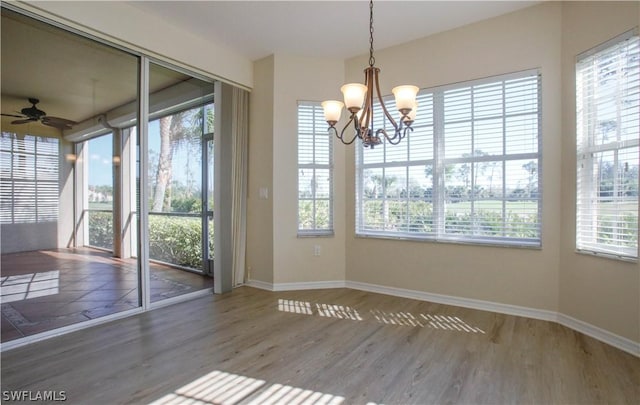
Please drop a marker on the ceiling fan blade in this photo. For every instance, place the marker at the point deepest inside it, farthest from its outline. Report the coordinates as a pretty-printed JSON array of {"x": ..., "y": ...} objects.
[
  {"x": 59, "y": 125},
  {"x": 24, "y": 121},
  {"x": 13, "y": 115},
  {"x": 57, "y": 120}
]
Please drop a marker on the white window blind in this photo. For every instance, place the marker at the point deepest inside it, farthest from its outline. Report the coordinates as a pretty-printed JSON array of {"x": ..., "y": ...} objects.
[
  {"x": 608, "y": 109},
  {"x": 315, "y": 172},
  {"x": 28, "y": 179},
  {"x": 468, "y": 172}
]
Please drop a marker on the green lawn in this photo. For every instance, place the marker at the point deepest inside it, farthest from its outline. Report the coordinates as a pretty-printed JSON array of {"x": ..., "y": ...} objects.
[{"x": 100, "y": 206}]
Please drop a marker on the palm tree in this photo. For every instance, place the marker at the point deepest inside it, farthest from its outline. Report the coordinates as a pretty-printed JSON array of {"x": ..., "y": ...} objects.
[
  {"x": 181, "y": 129},
  {"x": 164, "y": 172}
]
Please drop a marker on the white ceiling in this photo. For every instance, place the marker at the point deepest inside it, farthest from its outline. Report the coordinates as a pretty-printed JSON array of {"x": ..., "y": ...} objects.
[
  {"x": 79, "y": 78},
  {"x": 320, "y": 28}
]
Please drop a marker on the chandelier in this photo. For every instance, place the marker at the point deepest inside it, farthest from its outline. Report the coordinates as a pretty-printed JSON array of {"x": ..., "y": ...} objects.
[{"x": 359, "y": 98}]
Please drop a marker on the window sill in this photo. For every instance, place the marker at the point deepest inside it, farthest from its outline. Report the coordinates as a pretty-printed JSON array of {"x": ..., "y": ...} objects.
[
  {"x": 316, "y": 234},
  {"x": 454, "y": 241},
  {"x": 609, "y": 256}
]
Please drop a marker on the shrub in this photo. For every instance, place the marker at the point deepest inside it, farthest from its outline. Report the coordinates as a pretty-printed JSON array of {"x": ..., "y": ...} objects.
[
  {"x": 101, "y": 229},
  {"x": 176, "y": 240}
]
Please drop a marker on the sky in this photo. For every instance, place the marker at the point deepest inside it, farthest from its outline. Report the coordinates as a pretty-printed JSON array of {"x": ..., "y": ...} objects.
[{"x": 101, "y": 150}]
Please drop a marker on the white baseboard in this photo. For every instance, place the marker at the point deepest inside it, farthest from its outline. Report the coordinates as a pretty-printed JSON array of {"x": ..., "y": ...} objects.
[
  {"x": 595, "y": 332},
  {"x": 456, "y": 301},
  {"x": 312, "y": 285},
  {"x": 600, "y": 334},
  {"x": 262, "y": 285}
]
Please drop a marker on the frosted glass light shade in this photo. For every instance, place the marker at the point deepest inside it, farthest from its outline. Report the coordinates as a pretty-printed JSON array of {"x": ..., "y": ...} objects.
[
  {"x": 353, "y": 95},
  {"x": 412, "y": 114},
  {"x": 332, "y": 110},
  {"x": 405, "y": 96}
]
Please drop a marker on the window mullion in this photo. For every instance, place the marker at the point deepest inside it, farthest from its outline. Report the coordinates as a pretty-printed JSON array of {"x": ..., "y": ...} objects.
[
  {"x": 13, "y": 181},
  {"x": 472, "y": 193},
  {"x": 35, "y": 176},
  {"x": 438, "y": 180},
  {"x": 504, "y": 162}
]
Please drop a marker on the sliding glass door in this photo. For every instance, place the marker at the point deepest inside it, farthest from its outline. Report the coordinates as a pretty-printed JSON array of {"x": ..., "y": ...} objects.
[
  {"x": 76, "y": 251},
  {"x": 180, "y": 110}
]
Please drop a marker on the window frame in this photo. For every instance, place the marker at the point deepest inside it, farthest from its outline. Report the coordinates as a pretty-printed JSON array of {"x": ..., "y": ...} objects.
[
  {"x": 319, "y": 126},
  {"x": 439, "y": 161},
  {"x": 587, "y": 150}
]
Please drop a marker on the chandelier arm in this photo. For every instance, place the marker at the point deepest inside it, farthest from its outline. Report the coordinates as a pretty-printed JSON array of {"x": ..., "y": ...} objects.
[
  {"x": 357, "y": 133},
  {"x": 384, "y": 108},
  {"x": 393, "y": 140},
  {"x": 366, "y": 116},
  {"x": 406, "y": 131},
  {"x": 335, "y": 131},
  {"x": 398, "y": 136}
]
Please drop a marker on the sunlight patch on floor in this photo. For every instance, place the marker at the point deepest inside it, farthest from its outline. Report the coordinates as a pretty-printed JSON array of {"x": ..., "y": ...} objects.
[
  {"x": 324, "y": 310},
  {"x": 396, "y": 318},
  {"x": 296, "y": 307},
  {"x": 399, "y": 318},
  {"x": 216, "y": 387},
  {"x": 223, "y": 388},
  {"x": 449, "y": 323},
  {"x": 27, "y": 286},
  {"x": 284, "y": 394},
  {"x": 338, "y": 311}
]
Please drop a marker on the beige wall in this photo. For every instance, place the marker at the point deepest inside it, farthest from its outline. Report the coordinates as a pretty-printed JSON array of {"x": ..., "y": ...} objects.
[
  {"x": 260, "y": 211},
  {"x": 602, "y": 292},
  {"x": 525, "y": 277},
  {"x": 127, "y": 25},
  {"x": 273, "y": 164}
]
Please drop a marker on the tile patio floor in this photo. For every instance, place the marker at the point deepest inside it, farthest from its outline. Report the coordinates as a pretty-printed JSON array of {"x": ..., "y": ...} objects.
[{"x": 49, "y": 289}]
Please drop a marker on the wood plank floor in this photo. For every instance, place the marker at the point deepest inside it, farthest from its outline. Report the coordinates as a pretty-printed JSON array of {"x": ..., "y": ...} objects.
[{"x": 327, "y": 346}]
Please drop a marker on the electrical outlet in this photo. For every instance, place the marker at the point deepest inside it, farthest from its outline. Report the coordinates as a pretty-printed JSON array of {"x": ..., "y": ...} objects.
[{"x": 316, "y": 250}]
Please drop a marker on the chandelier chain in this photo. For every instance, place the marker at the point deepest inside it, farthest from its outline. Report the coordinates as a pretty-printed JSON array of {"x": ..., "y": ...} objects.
[{"x": 372, "y": 60}]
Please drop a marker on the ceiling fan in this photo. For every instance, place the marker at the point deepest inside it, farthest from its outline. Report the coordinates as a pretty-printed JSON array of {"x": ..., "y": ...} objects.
[{"x": 33, "y": 114}]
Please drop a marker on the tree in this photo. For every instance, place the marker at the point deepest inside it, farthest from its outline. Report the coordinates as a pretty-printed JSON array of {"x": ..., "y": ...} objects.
[
  {"x": 183, "y": 129},
  {"x": 532, "y": 178},
  {"x": 164, "y": 172}
]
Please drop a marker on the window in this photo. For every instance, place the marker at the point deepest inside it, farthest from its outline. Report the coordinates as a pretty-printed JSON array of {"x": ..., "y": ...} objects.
[
  {"x": 469, "y": 172},
  {"x": 28, "y": 179},
  {"x": 315, "y": 172},
  {"x": 607, "y": 105}
]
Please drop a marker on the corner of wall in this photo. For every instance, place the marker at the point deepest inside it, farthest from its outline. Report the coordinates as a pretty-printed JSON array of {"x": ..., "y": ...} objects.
[
  {"x": 597, "y": 291},
  {"x": 259, "y": 256}
]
